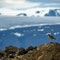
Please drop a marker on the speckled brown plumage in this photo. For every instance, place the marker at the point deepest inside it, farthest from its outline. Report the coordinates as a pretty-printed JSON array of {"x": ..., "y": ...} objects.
[{"x": 51, "y": 37}]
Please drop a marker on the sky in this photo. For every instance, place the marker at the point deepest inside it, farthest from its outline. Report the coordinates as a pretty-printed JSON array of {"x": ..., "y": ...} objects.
[{"x": 16, "y": 5}]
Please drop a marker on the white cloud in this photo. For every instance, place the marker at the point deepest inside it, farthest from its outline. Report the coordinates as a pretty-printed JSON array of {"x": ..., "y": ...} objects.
[
  {"x": 18, "y": 34},
  {"x": 40, "y": 30},
  {"x": 18, "y": 4},
  {"x": 56, "y": 33},
  {"x": 1, "y": 29}
]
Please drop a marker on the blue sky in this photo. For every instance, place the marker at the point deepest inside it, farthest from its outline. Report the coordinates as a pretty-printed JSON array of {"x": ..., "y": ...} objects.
[{"x": 47, "y": 3}]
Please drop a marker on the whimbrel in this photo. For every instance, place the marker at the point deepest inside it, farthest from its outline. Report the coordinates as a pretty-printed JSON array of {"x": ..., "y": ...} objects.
[{"x": 51, "y": 37}]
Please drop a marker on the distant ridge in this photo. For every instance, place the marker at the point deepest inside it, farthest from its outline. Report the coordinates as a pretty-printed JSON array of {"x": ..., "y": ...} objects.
[
  {"x": 44, "y": 12},
  {"x": 36, "y": 12},
  {"x": 55, "y": 12},
  {"x": 22, "y": 14}
]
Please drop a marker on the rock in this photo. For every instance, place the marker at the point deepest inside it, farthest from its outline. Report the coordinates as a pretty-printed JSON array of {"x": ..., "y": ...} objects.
[
  {"x": 1, "y": 53},
  {"x": 21, "y": 51},
  {"x": 49, "y": 51},
  {"x": 38, "y": 12},
  {"x": 53, "y": 13},
  {"x": 11, "y": 56},
  {"x": 52, "y": 58},
  {"x": 22, "y": 14},
  {"x": 10, "y": 50},
  {"x": 29, "y": 48},
  {"x": 35, "y": 47}
]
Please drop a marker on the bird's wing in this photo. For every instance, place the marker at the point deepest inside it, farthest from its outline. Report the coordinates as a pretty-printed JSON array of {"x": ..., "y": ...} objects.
[{"x": 52, "y": 37}]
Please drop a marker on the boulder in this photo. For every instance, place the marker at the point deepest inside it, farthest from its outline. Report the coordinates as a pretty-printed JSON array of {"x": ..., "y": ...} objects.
[
  {"x": 1, "y": 53},
  {"x": 10, "y": 50},
  {"x": 29, "y": 48},
  {"x": 21, "y": 51},
  {"x": 35, "y": 47},
  {"x": 11, "y": 56}
]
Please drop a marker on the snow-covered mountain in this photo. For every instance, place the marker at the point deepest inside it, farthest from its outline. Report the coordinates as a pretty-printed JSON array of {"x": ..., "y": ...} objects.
[
  {"x": 22, "y": 14},
  {"x": 40, "y": 12},
  {"x": 32, "y": 12},
  {"x": 55, "y": 12}
]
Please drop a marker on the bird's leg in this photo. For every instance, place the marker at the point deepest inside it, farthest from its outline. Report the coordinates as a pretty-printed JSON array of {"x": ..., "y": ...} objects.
[{"x": 51, "y": 41}]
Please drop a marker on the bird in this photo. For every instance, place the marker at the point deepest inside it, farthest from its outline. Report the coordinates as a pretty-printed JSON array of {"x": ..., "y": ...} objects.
[{"x": 51, "y": 37}]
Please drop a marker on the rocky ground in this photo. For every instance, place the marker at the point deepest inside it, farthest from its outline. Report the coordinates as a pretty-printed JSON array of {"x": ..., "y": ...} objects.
[{"x": 49, "y": 51}]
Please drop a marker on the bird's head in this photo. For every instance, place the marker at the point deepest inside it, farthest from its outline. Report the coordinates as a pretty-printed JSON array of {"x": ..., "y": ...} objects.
[{"x": 48, "y": 34}]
